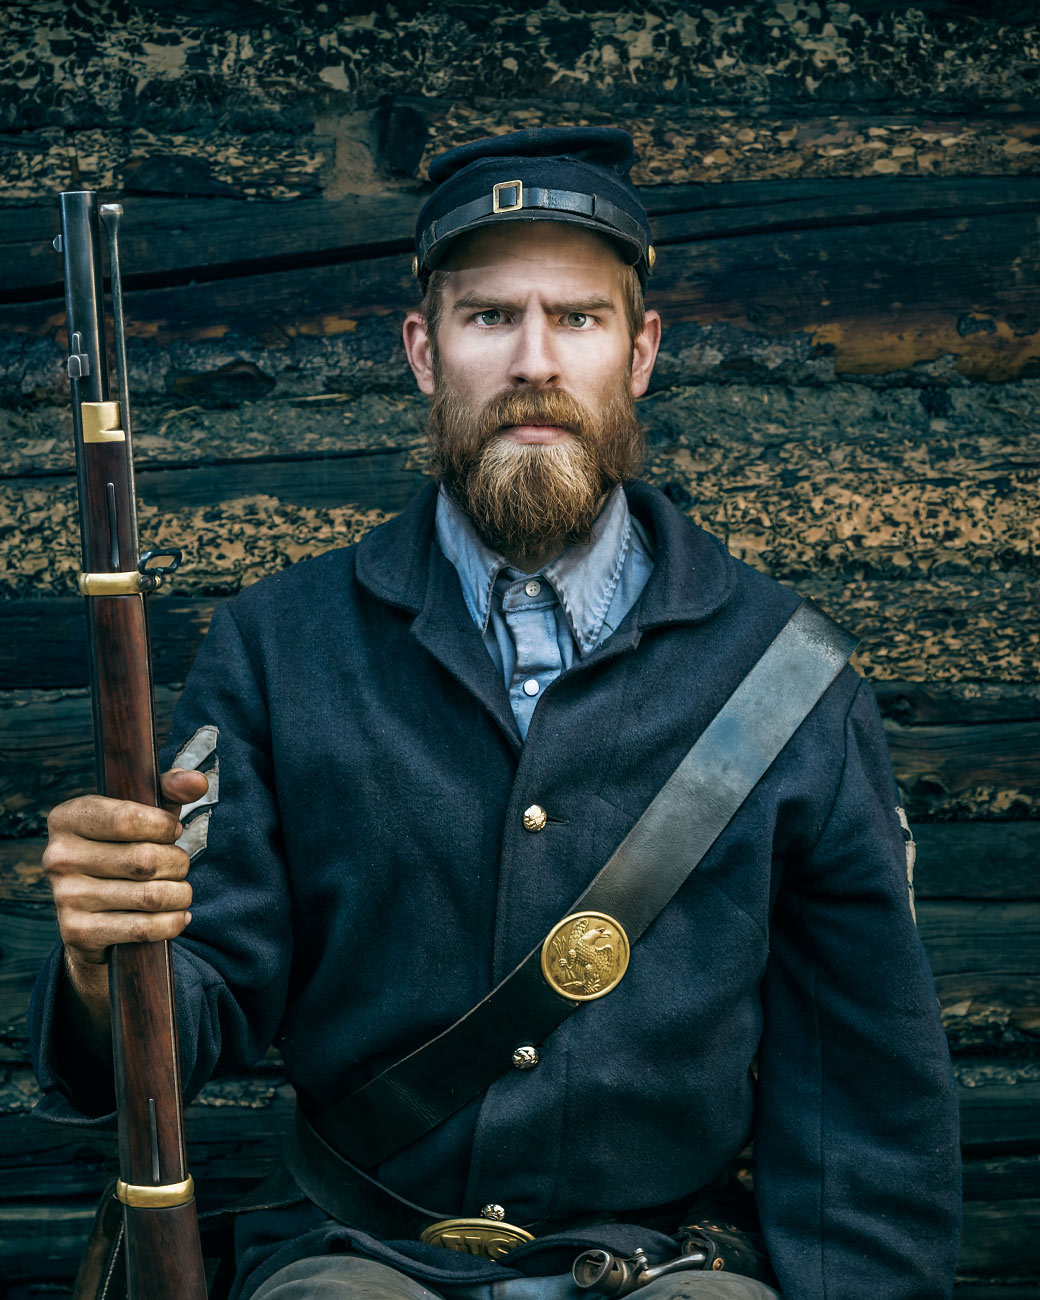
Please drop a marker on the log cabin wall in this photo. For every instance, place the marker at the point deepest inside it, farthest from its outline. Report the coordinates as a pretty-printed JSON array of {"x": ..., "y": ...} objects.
[{"x": 846, "y": 201}]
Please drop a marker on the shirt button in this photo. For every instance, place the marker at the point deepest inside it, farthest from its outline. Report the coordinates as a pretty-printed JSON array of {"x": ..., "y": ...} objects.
[
  {"x": 535, "y": 818},
  {"x": 525, "y": 1057},
  {"x": 531, "y": 686},
  {"x": 533, "y": 587}
]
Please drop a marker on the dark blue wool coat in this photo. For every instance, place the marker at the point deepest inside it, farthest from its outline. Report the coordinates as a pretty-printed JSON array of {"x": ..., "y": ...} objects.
[{"x": 368, "y": 879}]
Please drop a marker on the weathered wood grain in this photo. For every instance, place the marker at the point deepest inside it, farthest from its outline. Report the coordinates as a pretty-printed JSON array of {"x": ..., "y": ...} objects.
[
  {"x": 51, "y": 731},
  {"x": 185, "y": 240},
  {"x": 1002, "y": 1233},
  {"x": 927, "y": 295},
  {"x": 742, "y": 431},
  {"x": 855, "y": 524},
  {"x": 994, "y": 860},
  {"x": 990, "y": 1012},
  {"x": 213, "y": 66},
  {"x": 999, "y": 1105},
  {"x": 43, "y": 642},
  {"x": 969, "y": 769},
  {"x": 803, "y": 486},
  {"x": 969, "y": 937},
  {"x": 674, "y": 147}
]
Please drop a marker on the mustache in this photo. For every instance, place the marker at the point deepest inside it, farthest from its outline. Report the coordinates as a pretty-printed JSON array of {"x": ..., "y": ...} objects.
[{"x": 550, "y": 406}]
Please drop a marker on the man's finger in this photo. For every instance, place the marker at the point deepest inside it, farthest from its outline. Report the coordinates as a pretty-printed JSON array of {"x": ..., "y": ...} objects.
[
  {"x": 71, "y": 855},
  {"x": 91, "y": 933},
  {"x": 79, "y": 895},
  {"x": 180, "y": 786},
  {"x": 95, "y": 817}
]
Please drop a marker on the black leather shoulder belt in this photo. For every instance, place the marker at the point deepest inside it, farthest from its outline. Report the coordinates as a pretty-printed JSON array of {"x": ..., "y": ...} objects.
[{"x": 669, "y": 840}]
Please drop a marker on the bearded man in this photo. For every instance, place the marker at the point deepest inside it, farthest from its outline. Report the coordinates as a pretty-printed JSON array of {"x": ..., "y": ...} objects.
[{"x": 402, "y": 762}]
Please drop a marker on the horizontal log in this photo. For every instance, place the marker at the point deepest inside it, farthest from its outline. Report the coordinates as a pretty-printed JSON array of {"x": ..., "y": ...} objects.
[
  {"x": 995, "y": 860},
  {"x": 730, "y": 302},
  {"x": 755, "y": 434},
  {"x": 253, "y": 517},
  {"x": 999, "y": 1103},
  {"x": 713, "y": 145},
  {"x": 987, "y": 1012},
  {"x": 915, "y": 704},
  {"x": 216, "y": 68},
  {"x": 963, "y": 938},
  {"x": 53, "y": 733},
  {"x": 43, "y": 642},
  {"x": 1000, "y": 1238},
  {"x": 970, "y": 768},
  {"x": 1002, "y": 1178},
  {"x": 188, "y": 240}
]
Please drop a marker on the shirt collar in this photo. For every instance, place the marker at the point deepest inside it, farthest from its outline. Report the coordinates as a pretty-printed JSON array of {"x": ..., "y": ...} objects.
[{"x": 584, "y": 577}]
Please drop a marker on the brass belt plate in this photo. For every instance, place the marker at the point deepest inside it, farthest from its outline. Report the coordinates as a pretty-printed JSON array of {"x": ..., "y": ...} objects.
[
  {"x": 585, "y": 955},
  {"x": 475, "y": 1236}
]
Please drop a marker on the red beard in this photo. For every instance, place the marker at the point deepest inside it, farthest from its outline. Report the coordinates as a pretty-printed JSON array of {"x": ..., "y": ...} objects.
[{"x": 531, "y": 499}]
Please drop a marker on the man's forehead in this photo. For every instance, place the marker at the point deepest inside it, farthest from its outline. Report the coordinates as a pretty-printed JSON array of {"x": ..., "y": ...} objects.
[{"x": 543, "y": 252}]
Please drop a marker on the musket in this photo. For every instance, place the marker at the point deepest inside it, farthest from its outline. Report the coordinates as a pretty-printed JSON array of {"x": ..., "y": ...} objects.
[{"x": 163, "y": 1253}]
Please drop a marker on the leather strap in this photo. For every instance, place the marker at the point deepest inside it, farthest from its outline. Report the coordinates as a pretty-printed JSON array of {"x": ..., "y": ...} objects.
[
  {"x": 590, "y": 206},
  {"x": 691, "y": 810}
]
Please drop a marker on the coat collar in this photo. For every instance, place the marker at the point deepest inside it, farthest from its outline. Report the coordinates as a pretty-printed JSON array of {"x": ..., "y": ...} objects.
[{"x": 693, "y": 576}]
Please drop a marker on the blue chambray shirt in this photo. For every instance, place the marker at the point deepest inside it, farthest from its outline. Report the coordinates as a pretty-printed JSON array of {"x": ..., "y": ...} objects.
[{"x": 534, "y": 624}]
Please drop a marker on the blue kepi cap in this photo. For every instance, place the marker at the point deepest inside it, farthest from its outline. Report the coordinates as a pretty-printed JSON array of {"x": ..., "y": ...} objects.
[{"x": 576, "y": 174}]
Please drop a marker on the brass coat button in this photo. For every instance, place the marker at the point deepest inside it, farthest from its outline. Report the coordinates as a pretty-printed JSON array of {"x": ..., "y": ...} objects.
[
  {"x": 493, "y": 1211},
  {"x": 535, "y": 818},
  {"x": 526, "y": 1057}
]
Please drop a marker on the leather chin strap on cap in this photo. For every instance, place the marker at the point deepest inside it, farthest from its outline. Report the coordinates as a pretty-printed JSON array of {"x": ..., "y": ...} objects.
[{"x": 508, "y": 197}]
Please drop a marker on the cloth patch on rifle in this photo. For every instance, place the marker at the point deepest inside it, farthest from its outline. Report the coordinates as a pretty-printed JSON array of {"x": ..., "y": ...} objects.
[
  {"x": 199, "y": 755},
  {"x": 911, "y": 856}
]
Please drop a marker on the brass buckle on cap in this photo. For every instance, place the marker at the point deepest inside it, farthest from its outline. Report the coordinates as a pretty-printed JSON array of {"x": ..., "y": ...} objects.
[
  {"x": 475, "y": 1237},
  {"x": 496, "y": 196}
]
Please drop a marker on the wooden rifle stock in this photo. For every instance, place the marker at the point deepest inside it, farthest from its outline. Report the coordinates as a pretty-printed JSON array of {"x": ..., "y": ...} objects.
[{"x": 163, "y": 1253}]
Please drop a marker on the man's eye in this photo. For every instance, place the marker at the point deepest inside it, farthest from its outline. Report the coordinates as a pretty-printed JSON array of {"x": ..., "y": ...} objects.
[
  {"x": 577, "y": 319},
  {"x": 490, "y": 317}
]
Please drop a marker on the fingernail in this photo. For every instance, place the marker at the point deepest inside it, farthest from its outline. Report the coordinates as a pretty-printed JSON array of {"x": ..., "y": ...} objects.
[
  {"x": 180, "y": 830},
  {"x": 187, "y": 918}
]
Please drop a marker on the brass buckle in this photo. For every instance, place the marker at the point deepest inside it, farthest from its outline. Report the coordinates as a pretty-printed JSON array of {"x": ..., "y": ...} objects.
[
  {"x": 482, "y": 1237},
  {"x": 496, "y": 196}
]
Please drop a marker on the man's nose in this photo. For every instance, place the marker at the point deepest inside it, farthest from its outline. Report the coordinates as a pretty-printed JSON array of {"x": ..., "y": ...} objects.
[{"x": 534, "y": 363}]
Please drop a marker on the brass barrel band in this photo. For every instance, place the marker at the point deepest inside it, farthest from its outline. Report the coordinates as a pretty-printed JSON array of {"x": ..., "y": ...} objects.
[
  {"x": 585, "y": 955},
  {"x": 102, "y": 422},
  {"x": 130, "y": 583},
  {"x": 483, "y": 1237},
  {"x": 156, "y": 1198}
]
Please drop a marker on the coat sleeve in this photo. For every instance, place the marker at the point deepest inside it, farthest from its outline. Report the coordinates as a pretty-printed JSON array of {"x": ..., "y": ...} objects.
[
  {"x": 856, "y": 1140},
  {"x": 231, "y": 965}
]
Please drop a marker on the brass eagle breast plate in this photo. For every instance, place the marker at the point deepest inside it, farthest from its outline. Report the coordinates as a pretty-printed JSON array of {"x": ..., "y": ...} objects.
[{"x": 585, "y": 955}]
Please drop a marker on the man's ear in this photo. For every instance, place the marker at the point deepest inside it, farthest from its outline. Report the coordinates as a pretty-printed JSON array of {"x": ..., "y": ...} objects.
[
  {"x": 644, "y": 353},
  {"x": 419, "y": 348}
]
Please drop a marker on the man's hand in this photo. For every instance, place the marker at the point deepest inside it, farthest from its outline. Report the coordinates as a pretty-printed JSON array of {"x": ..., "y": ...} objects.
[{"x": 117, "y": 877}]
